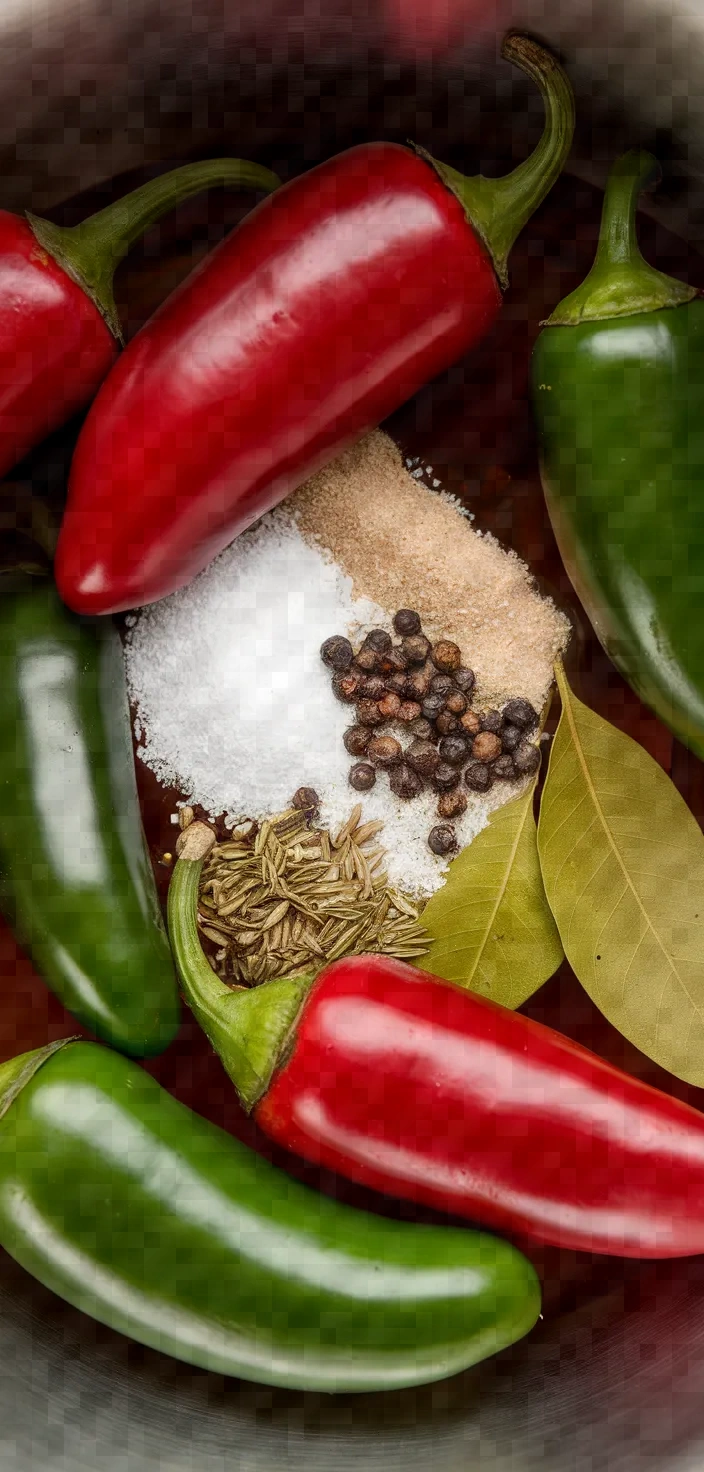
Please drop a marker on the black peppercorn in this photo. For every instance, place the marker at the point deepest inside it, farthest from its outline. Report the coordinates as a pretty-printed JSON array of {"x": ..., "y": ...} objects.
[
  {"x": 405, "y": 783},
  {"x": 452, "y": 804},
  {"x": 432, "y": 706},
  {"x": 423, "y": 731},
  {"x": 337, "y": 653},
  {"x": 423, "y": 758},
  {"x": 347, "y": 686},
  {"x": 306, "y": 799},
  {"x": 362, "y": 777},
  {"x": 521, "y": 713},
  {"x": 393, "y": 662},
  {"x": 372, "y": 687},
  {"x": 407, "y": 622},
  {"x": 416, "y": 648},
  {"x": 486, "y": 747},
  {"x": 492, "y": 720},
  {"x": 446, "y": 656},
  {"x": 384, "y": 751},
  {"x": 441, "y": 685},
  {"x": 446, "y": 723},
  {"x": 503, "y": 768},
  {"x": 445, "y": 777},
  {"x": 464, "y": 680},
  {"x": 417, "y": 685},
  {"x": 442, "y": 840},
  {"x": 526, "y": 758},
  {"x": 471, "y": 723},
  {"x": 396, "y": 683},
  {"x": 453, "y": 749},
  {"x": 368, "y": 713},
  {"x": 390, "y": 706},
  {"x": 356, "y": 739},
  {"x": 511, "y": 737},
  {"x": 368, "y": 661},
  {"x": 378, "y": 640},
  {"x": 408, "y": 711},
  {"x": 456, "y": 703},
  {"x": 478, "y": 776}
]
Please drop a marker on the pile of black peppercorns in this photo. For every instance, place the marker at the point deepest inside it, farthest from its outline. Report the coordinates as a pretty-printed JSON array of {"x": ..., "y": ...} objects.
[{"x": 427, "y": 688}]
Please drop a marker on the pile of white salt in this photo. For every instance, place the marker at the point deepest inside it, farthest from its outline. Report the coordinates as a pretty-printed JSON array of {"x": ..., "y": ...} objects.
[{"x": 233, "y": 704}]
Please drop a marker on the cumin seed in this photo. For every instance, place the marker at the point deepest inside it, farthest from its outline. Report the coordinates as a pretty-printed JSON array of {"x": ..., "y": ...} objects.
[{"x": 285, "y": 897}]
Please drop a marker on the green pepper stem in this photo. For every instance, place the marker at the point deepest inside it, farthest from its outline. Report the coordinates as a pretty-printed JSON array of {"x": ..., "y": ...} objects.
[
  {"x": 249, "y": 1029},
  {"x": 18, "y": 1071},
  {"x": 630, "y": 175},
  {"x": 91, "y": 252},
  {"x": 621, "y": 283},
  {"x": 498, "y": 209}
]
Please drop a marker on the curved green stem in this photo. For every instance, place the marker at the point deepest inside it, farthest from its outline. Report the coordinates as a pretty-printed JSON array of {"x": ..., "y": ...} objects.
[
  {"x": 90, "y": 252},
  {"x": 499, "y": 208},
  {"x": 249, "y": 1029},
  {"x": 621, "y": 283},
  {"x": 18, "y": 1071}
]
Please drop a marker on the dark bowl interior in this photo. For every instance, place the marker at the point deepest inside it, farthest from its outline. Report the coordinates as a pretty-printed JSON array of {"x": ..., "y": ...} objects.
[{"x": 611, "y": 1377}]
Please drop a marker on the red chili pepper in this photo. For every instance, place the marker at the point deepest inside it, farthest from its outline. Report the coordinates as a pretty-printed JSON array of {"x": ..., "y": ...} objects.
[
  {"x": 59, "y": 329},
  {"x": 327, "y": 308},
  {"x": 425, "y": 1091}
]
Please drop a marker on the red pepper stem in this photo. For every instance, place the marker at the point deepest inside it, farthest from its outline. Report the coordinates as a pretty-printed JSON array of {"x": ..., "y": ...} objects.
[
  {"x": 498, "y": 209},
  {"x": 249, "y": 1029},
  {"x": 621, "y": 283},
  {"x": 90, "y": 252}
]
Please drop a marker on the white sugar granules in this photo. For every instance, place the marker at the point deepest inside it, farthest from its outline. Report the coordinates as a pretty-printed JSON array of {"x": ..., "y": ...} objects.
[{"x": 235, "y": 708}]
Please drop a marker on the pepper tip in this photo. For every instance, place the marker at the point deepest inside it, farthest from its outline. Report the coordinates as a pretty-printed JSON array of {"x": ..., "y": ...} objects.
[{"x": 195, "y": 842}]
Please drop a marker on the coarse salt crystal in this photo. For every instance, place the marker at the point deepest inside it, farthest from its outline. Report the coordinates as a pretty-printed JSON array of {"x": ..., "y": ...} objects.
[{"x": 234, "y": 701}]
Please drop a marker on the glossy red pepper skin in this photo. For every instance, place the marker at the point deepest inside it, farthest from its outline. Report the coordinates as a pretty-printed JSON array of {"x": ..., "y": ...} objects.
[
  {"x": 55, "y": 347},
  {"x": 327, "y": 308},
  {"x": 59, "y": 326},
  {"x": 419, "y": 1089}
]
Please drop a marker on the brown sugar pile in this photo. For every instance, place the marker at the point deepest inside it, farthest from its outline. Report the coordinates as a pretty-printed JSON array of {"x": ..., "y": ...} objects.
[{"x": 405, "y": 546}]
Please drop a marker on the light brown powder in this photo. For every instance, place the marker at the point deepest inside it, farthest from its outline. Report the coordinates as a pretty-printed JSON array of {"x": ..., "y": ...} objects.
[{"x": 408, "y": 547}]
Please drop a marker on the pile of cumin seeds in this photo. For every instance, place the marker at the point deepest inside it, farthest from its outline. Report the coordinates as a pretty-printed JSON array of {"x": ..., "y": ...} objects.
[{"x": 282, "y": 897}]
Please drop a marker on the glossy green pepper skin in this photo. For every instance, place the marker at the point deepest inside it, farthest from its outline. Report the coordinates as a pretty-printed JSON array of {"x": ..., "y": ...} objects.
[
  {"x": 158, "y": 1223},
  {"x": 619, "y": 403},
  {"x": 75, "y": 878}
]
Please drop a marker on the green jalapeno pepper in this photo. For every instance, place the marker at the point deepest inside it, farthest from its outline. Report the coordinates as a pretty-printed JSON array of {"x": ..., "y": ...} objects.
[
  {"x": 618, "y": 389},
  {"x": 158, "y": 1223},
  {"x": 75, "y": 877}
]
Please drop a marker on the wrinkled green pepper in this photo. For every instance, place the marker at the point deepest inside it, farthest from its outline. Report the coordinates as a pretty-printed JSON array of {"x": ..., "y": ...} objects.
[
  {"x": 618, "y": 389},
  {"x": 75, "y": 878},
  {"x": 158, "y": 1223}
]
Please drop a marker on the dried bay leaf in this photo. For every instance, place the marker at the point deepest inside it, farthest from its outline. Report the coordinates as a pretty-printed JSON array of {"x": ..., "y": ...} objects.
[
  {"x": 491, "y": 927},
  {"x": 623, "y": 864}
]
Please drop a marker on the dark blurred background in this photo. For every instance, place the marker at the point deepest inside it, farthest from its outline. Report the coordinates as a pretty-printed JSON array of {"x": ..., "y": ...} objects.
[{"x": 94, "y": 88}]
